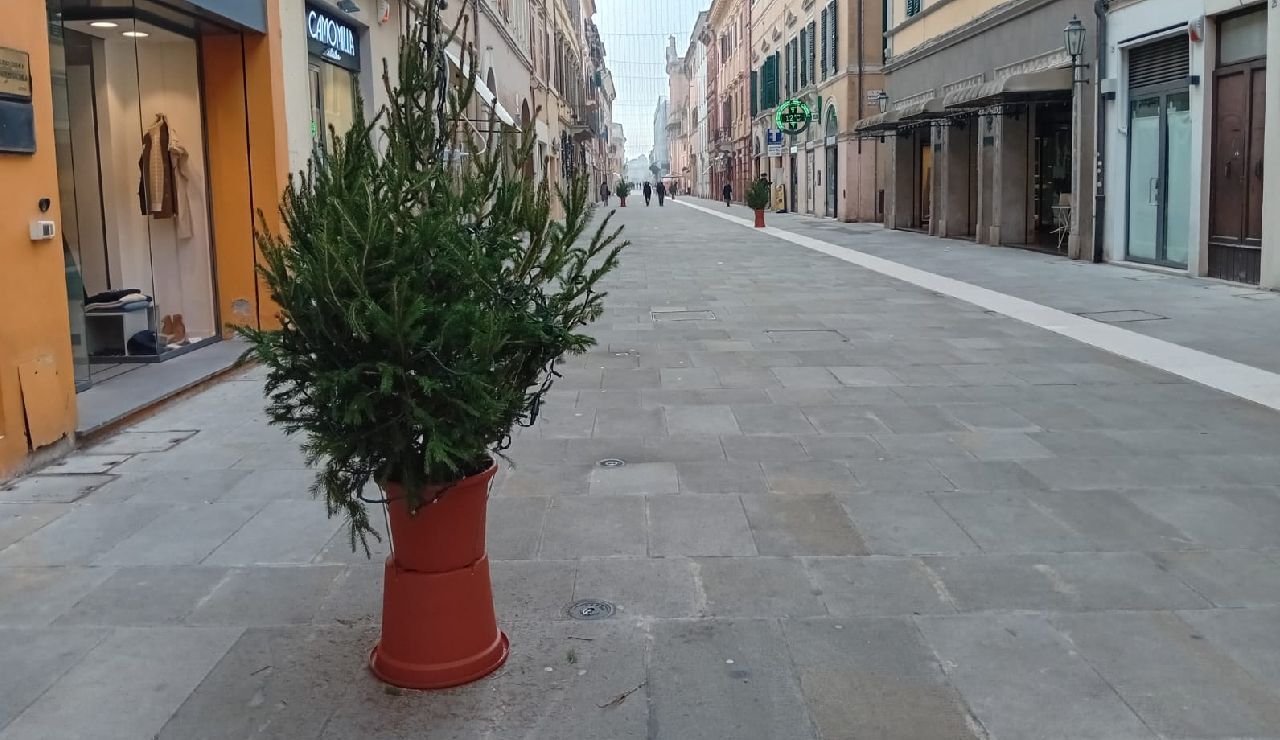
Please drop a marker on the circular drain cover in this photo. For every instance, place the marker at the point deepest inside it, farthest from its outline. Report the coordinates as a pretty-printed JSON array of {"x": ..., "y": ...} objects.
[
  {"x": 590, "y": 609},
  {"x": 611, "y": 462}
]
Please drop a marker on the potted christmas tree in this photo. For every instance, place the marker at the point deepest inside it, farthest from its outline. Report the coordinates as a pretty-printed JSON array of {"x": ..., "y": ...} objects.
[
  {"x": 758, "y": 199},
  {"x": 425, "y": 295},
  {"x": 622, "y": 190}
]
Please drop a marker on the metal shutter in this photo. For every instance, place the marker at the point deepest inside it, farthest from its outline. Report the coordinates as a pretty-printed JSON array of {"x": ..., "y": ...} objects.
[{"x": 1166, "y": 60}]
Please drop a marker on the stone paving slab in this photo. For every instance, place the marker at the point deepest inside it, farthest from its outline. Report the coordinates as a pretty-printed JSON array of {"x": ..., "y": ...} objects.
[{"x": 849, "y": 508}]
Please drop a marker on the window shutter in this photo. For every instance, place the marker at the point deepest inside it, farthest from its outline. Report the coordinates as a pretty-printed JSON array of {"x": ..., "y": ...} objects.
[
  {"x": 825, "y": 31},
  {"x": 804, "y": 58},
  {"x": 813, "y": 74},
  {"x": 777, "y": 82},
  {"x": 795, "y": 65},
  {"x": 835, "y": 39},
  {"x": 913, "y": 7},
  {"x": 754, "y": 84}
]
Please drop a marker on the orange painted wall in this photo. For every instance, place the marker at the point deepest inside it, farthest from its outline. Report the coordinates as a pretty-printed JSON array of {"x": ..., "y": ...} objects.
[
  {"x": 249, "y": 165},
  {"x": 34, "y": 324}
]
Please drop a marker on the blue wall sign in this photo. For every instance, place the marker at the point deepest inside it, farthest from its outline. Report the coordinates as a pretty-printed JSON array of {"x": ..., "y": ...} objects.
[{"x": 332, "y": 40}]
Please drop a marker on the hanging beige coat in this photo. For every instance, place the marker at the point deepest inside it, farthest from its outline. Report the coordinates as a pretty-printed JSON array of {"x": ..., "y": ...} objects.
[{"x": 165, "y": 181}]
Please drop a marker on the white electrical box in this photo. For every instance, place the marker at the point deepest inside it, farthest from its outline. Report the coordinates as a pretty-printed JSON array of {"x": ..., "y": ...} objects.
[{"x": 43, "y": 230}]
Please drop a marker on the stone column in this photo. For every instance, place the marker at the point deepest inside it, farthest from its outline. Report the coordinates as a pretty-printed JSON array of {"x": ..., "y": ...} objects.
[
  {"x": 898, "y": 188},
  {"x": 1009, "y": 212},
  {"x": 954, "y": 166},
  {"x": 1271, "y": 157},
  {"x": 986, "y": 178}
]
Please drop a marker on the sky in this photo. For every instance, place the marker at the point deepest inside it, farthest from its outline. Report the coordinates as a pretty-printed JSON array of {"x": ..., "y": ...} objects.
[{"x": 635, "y": 36}]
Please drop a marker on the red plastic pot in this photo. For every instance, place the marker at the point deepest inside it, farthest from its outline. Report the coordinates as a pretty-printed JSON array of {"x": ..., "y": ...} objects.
[
  {"x": 759, "y": 218},
  {"x": 438, "y": 623},
  {"x": 624, "y": 202}
]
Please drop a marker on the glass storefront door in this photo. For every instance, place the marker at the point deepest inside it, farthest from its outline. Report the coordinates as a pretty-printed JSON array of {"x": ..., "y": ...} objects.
[
  {"x": 1159, "y": 189},
  {"x": 129, "y": 142}
]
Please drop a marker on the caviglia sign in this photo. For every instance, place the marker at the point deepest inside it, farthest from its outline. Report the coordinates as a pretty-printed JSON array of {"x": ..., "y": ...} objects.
[{"x": 331, "y": 39}]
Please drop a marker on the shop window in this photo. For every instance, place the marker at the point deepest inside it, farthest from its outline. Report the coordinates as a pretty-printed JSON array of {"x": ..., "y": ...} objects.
[{"x": 130, "y": 149}]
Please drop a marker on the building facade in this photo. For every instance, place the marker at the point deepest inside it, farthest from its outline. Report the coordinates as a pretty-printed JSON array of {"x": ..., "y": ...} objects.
[
  {"x": 828, "y": 55},
  {"x": 660, "y": 157},
  {"x": 989, "y": 122},
  {"x": 1186, "y": 112},
  {"x": 728, "y": 41}
]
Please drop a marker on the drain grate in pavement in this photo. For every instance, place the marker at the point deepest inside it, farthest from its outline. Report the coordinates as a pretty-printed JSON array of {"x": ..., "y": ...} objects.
[
  {"x": 1122, "y": 316},
  {"x": 682, "y": 315},
  {"x": 611, "y": 462},
  {"x": 590, "y": 609}
]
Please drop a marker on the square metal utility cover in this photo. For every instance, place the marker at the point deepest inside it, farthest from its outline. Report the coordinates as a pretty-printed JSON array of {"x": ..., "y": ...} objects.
[
  {"x": 804, "y": 335},
  {"x": 52, "y": 489},
  {"x": 681, "y": 315},
  {"x": 1122, "y": 316}
]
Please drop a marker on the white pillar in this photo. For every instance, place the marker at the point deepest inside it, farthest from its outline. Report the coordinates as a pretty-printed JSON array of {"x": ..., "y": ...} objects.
[{"x": 1271, "y": 161}]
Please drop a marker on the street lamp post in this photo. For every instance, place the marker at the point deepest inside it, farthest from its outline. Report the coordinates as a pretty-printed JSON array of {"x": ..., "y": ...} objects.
[
  {"x": 1074, "y": 34},
  {"x": 882, "y": 100}
]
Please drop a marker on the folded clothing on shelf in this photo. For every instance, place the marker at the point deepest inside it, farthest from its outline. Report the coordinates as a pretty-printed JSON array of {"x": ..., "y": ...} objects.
[{"x": 128, "y": 299}]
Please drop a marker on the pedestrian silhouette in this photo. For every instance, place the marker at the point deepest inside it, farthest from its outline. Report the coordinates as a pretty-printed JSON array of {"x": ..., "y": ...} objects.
[
  {"x": 648, "y": 192},
  {"x": 662, "y": 191},
  {"x": 727, "y": 192}
]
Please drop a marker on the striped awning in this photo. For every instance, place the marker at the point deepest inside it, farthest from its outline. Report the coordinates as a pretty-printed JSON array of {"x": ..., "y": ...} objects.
[
  {"x": 1043, "y": 85},
  {"x": 922, "y": 111},
  {"x": 886, "y": 121}
]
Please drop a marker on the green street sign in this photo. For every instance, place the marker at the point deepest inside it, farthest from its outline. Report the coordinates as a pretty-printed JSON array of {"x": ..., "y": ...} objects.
[{"x": 792, "y": 117}]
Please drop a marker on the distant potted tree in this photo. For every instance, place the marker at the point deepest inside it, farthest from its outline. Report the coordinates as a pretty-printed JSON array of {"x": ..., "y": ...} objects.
[
  {"x": 622, "y": 190},
  {"x": 425, "y": 294},
  {"x": 758, "y": 199}
]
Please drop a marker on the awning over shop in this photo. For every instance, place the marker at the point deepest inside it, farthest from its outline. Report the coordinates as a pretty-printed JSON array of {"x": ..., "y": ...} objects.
[
  {"x": 1049, "y": 84},
  {"x": 886, "y": 121},
  {"x": 922, "y": 111},
  {"x": 484, "y": 92}
]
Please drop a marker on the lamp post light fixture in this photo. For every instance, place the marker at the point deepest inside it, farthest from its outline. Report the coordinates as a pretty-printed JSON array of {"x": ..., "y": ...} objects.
[
  {"x": 1074, "y": 34},
  {"x": 882, "y": 100}
]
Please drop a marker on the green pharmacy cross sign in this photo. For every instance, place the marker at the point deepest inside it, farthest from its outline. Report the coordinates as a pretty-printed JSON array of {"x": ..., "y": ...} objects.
[{"x": 792, "y": 117}]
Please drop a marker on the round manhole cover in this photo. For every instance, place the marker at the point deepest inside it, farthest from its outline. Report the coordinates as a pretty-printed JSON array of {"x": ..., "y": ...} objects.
[
  {"x": 591, "y": 609},
  {"x": 611, "y": 462}
]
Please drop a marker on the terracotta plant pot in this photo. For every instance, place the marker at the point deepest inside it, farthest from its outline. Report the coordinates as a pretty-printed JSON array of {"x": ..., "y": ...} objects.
[
  {"x": 759, "y": 218},
  {"x": 438, "y": 624}
]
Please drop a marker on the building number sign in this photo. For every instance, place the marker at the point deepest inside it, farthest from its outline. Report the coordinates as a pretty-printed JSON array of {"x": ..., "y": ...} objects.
[{"x": 792, "y": 117}]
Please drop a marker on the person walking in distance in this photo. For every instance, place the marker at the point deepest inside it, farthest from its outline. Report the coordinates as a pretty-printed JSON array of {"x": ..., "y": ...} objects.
[
  {"x": 648, "y": 192},
  {"x": 727, "y": 192},
  {"x": 604, "y": 192},
  {"x": 662, "y": 191}
]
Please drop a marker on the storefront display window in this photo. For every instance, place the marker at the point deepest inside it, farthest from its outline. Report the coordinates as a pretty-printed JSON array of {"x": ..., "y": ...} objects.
[
  {"x": 129, "y": 135},
  {"x": 334, "y": 52}
]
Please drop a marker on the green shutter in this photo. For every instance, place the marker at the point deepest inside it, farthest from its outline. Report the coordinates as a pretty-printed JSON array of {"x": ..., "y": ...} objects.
[
  {"x": 825, "y": 31},
  {"x": 835, "y": 38},
  {"x": 804, "y": 58},
  {"x": 813, "y": 73},
  {"x": 777, "y": 81},
  {"x": 754, "y": 85}
]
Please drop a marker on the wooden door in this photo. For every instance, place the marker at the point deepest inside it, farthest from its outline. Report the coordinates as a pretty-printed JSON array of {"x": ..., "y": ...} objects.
[
  {"x": 1227, "y": 185},
  {"x": 1235, "y": 184},
  {"x": 1253, "y": 164}
]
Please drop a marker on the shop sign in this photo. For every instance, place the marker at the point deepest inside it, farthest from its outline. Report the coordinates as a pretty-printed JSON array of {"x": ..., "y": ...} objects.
[
  {"x": 792, "y": 117},
  {"x": 15, "y": 74},
  {"x": 773, "y": 141},
  {"x": 17, "y": 116},
  {"x": 331, "y": 39}
]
